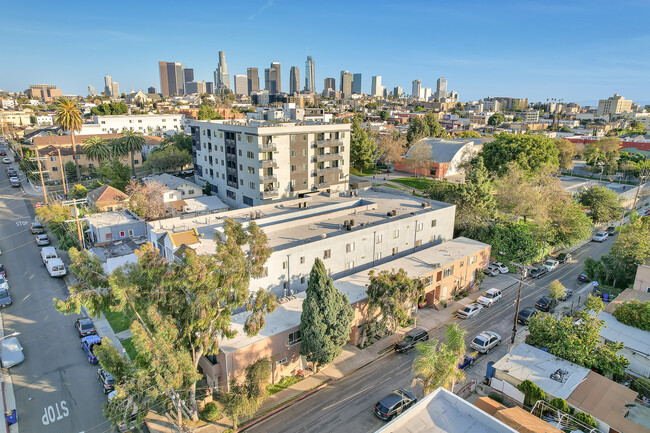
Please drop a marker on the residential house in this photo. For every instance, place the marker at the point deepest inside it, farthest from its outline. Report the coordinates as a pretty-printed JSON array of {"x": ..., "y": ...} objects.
[
  {"x": 175, "y": 188},
  {"x": 439, "y": 157},
  {"x": 106, "y": 199},
  {"x": 114, "y": 226}
]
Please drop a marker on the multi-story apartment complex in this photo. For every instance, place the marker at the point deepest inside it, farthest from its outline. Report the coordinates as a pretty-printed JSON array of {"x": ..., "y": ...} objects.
[
  {"x": 614, "y": 105},
  {"x": 348, "y": 233},
  {"x": 148, "y": 124},
  {"x": 248, "y": 163},
  {"x": 528, "y": 116}
]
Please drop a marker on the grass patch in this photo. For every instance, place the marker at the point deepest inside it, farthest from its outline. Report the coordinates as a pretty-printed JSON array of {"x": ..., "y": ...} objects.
[
  {"x": 369, "y": 171},
  {"x": 130, "y": 348},
  {"x": 285, "y": 382},
  {"x": 119, "y": 321},
  {"x": 415, "y": 182}
]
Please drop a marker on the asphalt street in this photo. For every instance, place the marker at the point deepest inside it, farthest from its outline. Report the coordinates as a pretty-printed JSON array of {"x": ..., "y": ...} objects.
[
  {"x": 56, "y": 389},
  {"x": 346, "y": 405}
]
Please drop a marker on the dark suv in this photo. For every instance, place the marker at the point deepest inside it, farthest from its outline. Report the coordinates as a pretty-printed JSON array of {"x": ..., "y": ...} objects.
[
  {"x": 393, "y": 404},
  {"x": 546, "y": 304},
  {"x": 410, "y": 339}
]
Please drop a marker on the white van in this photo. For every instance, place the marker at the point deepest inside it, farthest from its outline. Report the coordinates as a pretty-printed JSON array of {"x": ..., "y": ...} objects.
[
  {"x": 55, "y": 267},
  {"x": 48, "y": 253}
]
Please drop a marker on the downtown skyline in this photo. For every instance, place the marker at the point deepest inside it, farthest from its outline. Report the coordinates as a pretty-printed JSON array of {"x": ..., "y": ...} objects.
[{"x": 475, "y": 47}]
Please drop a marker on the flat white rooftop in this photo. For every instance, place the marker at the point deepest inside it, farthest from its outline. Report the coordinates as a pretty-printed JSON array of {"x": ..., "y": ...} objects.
[{"x": 108, "y": 219}]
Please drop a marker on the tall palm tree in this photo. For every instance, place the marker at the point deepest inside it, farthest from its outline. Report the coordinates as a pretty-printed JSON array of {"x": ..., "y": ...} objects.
[
  {"x": 68, "y": 117},
  {"x": 132, "y": 142},
  {"x": 436, "y": 367},
  {"x": 96, "y": 148}
]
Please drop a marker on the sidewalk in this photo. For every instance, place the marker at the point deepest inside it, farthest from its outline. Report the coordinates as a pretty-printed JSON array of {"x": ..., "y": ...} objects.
[
  {"x": 25, "y": 185},
  {"x": 7, "y": 391}
]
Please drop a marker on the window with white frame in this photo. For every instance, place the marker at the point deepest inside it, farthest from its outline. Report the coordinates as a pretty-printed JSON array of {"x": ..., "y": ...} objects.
[
  {"x": 294, "y": 338},
  {"x": 379, "y": 238},
  {"x": 349, "y": 247},
  {"x": 396, "y": 234}
]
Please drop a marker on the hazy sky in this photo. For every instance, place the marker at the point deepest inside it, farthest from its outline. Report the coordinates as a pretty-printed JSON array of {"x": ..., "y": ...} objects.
[{"x": 576, "y": 50}]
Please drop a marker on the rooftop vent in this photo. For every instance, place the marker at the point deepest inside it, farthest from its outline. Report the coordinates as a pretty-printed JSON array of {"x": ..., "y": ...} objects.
[{"x": 560, "y": 375}]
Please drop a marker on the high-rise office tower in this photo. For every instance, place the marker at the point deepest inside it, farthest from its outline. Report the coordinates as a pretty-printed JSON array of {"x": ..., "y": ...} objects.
[
  {"x": 115, "y": 89},
  {"x": 188, "y": 75},
  {"x": 329, "y": 84},
  {"x": 151, "y": 90},
  {"x": 171, "y": 78},
  {"x": 416, "y": 88},
  {"x": 241, "y": 85},
  {"x": 253, "y": 78},
  {"x": 441, "y": 88},
  {"x": 107, "y": 85},
  {"x": 356, "y": 84},
  {"x": 221, "y": 77},
  {"x": 310, "y": 75},
  {"x": 273, "y": 79},
  {"x": 377, "y": 90},
  {"x": 209, "y": 87},
  {"x": 294, "y": 80},
  {"x": 91, "y": 91},
  {"x": 397, "y": 92},
  {"x": 346, "y": 83}
]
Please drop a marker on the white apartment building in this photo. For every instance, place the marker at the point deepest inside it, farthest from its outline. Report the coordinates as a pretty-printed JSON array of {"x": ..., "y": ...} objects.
[
  {"x": 8, "y": 104},
  {"x": 248, "y": 163},
  {"x": 349, "y": 233},
  {"x": 44, "y": 120},
  {"x": 149, "y": 124},
  {"x": 614, "y": 105}
]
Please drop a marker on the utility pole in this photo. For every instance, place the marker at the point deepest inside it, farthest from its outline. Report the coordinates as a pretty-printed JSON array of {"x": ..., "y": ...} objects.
[
  {"x": 76, "y": 219},
  {"x": 65, "y": 191},
  {"x": 40, "y": 171}
]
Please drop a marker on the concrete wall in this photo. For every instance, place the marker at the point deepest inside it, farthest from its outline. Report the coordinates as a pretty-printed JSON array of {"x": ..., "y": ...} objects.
[{"x": 642, "y": 279}]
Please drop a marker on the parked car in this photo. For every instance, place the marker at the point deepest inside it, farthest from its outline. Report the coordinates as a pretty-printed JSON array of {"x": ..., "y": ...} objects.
[
  {"x": 611, "y": 231},
  {"x": 546, "y": 304},
  {"x": 42, "y": 240},
  {"x": 4, "y": 284},
  {"x": 583, "y": 277},
  {"x": 84, "y": 327},
  {"x": 468, "y": 360},
  {"x": 15, "y": 183},
  {"x": 501, "y": 267},
  {"x": 6, "y": 160},
  {"x": 538, "y": 272},
  {"x": 394, "y": 404},
  {"x": 3, "y": 271},
  {"x": 563, "y": 257},
  {"x": 5, "y": 298},
  {"x": 551, "y": 264},
  {"x": 567, "y": 294},
  {"x": 525, "y": 315},
  {"x": 491, "y": 270},
  {"x": 3, "y": 153},
  {"x": 485, "y": 341},
  {"x": 410, "y": 339},
  {"x": 469, "y": 311},
  {"x": 12, "y": 352},
  {"x": 88, "y": 344},
  {"x": 107, "y": 381},
  {"x": 37, "y": 227},
  {"x": 11, "y": 172},
  {"x": 490, "y": 297},
  {"x": 599, "y": 237}
]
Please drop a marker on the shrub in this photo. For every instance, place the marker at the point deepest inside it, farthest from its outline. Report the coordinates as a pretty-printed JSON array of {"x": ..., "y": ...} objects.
[
  {"x": 586, "y": 418},
  {"x": 532, "y": 392},
  {"x": 497, "y": 397},
  {"x": 210, "y": 412},
  {"x": 561, "y": 404},
  {"x": 634, "y": 313}
]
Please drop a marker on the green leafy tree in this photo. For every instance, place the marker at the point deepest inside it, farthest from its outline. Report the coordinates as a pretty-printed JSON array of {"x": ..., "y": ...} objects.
[
  {"x": 207, "y": 189},
  {"x": 496, "y": 119},
  {"x": 55, "y": 216},
  {"x": 394, "y": 294},
  {"x": 603, "y": 152},
  {"x": 325, "y": 319},
  {"x": 532, "y": 392},
  {"x": 517, "y": 119},
  {"x": 362, "y": 148},
  {"x": 533, "y": 153},
  {"x": 68, "y": 116},
  {"x": 561, "y": 404},
  {"x": 131, "y": 143},
  {"x": 78, "y": 191},
  {"x": 566, "y": 152},
  {"x": 435, "y": 129},
  {"x": 605, "y": 205},
  {"x": 384, "y": 115},
  {"x": 115, "y": 173},
  {"x": 514, "y": 242},
  {"x": 207, "y": 113},
  {"x": 96, "y": 148},
  {"x": 556, "y": 290},
  {"x": 168, "y": 159},
  {"x": 469, "y": 134},
  {"x": 586, "y": 418},
  {"x": 418, "y": 128},
  {"x": 182, "y": 141},
  {"x": 634, "y": 313},
  {"x": 70, "y": 170}
]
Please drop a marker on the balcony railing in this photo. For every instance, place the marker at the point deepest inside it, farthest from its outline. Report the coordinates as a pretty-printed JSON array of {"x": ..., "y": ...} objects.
[
  {"x": 329, "y": 170},
  {"x": 268, "y": 163},
  {"x": 322, "y": 185},
  {"x": 269, "y": 147},
  {"x": 329, "y": 142},
  {"x": 270, "y": 178},
  {"x": 329, "y": 157},
  {"x": 270, "y": 193}
]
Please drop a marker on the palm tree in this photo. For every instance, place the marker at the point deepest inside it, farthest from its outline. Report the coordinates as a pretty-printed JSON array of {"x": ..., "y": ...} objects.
[
  {"x": 68, "y": 117},
  {"x": 436, "y": 367},
  {"x": 96, "y": 148},
  {"x": 132, "y": 142}
]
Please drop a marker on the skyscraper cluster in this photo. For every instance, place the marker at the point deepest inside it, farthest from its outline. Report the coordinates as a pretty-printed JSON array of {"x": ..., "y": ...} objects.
[{"x": 111, "y": 88}]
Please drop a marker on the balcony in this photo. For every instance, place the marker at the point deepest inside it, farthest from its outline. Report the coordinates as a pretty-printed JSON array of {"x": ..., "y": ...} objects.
[
  {"x": 322, "y": 185},
  {"x": 231, "y": 157},
  {"x": 329, "y": 157},
  {"x": 329, "y": 170},
  {"x": 269, "y": 163},
  {"x": 270, "y": 193},
  {"x": 270, "y": 178},
  {"x": 329, "y": 142},
  {"x": 269, "y": 147}
]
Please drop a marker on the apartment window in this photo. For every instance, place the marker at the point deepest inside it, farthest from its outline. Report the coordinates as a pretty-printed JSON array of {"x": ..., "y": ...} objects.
[
  {"x": 448, "y": 271},
  {"x": 304, "y": 152},
  {"x": 293, "y": 182},
  {"x": 342, "y": 134},
  {"x": 302, "y": 280},
  {"x": 293, "y": 168},
  {"x": 122, "y": 234},
  {"x": 238, "y": 137},
  {"x": 378, "y": 256},
  {"x": 52, "y": 158},
  {"x": 251, "y": 170},
  {"x": 349, "y": 265},
  {"x": 241, "y": 168},
  {"x": 304, "y": 181},
  {"x": 304, "y": 166},
  {"x": 379, "y": 238},
  {"x": 302, "y": 260},
  {"x": 294, "y": 338},
  {"x": 130, "y": 232},
  {"x": 327, "y": 254},
  {"x": 472, "y": 260},
  {"x": 284, "y": 265},
  {"x": 221, "y": 148},
  {"x": 241, "y": 182},
  {"x": 239, "y": 152},
  {"x": 250, "y": 154},
  {"x": 249, "y": 138},
  {"x": 109, "y": 236},
  {"x": 434, "y": 223},
  {"x": 349, "y": 247},
  {"x": 293, "y": 152},
  {"x": 292, "y": 139},
  {"x": 461, "y": 264},
  {"x": 418, "y": 243},
  {"x": 395, "y": 250},
  {"x": 396, "y": 234},
  {"x": 304, "y": 138},
  {"x": 281, "y": 362},
  {"x": 251, "y": 185},
  {"x": 55, "y": 168},
  {"x": 220, "y": 134},
  {"x": 419, "y": 227}
]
